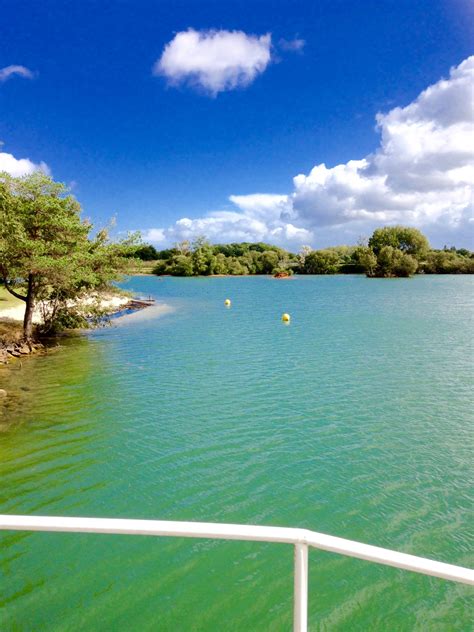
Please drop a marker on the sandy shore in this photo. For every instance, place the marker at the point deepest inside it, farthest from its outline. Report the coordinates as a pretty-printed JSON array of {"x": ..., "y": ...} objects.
[{"x": 110, "y": 304}]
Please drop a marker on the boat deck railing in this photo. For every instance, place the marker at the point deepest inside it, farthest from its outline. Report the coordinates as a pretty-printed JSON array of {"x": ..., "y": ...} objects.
[{"x": 301, "y": 539}]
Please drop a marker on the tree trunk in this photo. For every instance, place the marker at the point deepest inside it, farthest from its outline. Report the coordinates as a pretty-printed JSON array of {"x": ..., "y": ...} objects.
[{"x": 30, "y": 306}]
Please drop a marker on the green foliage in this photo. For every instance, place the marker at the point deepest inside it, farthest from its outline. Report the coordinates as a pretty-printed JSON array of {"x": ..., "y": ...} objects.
[
  {"x": 322, "y": 262},
  {"x": 165, "y": 255},
  {"x": 448, "y": 262},
  {"x": 366, "y": 259},
  {"x": 181, "y": 265},
  {"x": 46, "y": 252},
  {"x": 200, "y": 258},
  {"x": 64, "y": 318},
  {"x": 408, "y": 240},
  {"x": 144, "y": 252},
  {"x": 161, "y": 267},
  {"x": 268, "y": 261},
  {"x": 392, "y": 251},
  {"x": 392, "y": 262}
]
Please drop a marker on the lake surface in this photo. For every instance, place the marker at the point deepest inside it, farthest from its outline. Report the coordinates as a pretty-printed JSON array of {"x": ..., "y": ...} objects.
[{"x": 354, "y": 420}]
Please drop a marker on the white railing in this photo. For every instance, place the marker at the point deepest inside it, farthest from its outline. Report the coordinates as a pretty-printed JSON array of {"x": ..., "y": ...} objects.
[{"x": 301, "y": 539}]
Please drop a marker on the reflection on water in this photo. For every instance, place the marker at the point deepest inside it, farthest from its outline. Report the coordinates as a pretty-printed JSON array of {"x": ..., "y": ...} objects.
[{"x": 354, "y": 420}]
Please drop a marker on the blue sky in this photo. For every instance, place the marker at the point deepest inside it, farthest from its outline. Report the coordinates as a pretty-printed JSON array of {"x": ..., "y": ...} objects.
[{"x": 152, "y": 148}]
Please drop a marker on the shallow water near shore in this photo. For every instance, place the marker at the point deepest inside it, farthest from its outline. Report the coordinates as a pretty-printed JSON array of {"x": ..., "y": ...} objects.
[{"x": 355, "y": 420}]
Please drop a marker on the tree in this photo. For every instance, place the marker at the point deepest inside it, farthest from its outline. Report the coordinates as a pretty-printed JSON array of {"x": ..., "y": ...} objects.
[
  {"x": 447, "y": 262},
  {"x": 45, "y": 250},
  {"x": 234, "y": 266},
  {"x": 183, "y": 247},
  {"x": 322, "y": 262},
  {"x": 392, "y": 262},
  {"x": 219, "y": 264},
  {"x": 303, "y": 253},
  {"x": 201, "y": 256},
  {"x": 268, "y": 261},
  {"x": 181, "y": 265},
  {"x": 409, "y": 240},
  {"x": 367, "y": 260},
  {"x": 145, "y": 252}
]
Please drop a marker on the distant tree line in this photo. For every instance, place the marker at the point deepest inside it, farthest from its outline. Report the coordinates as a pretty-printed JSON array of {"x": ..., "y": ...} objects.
[{"x": 393, "y": 251}]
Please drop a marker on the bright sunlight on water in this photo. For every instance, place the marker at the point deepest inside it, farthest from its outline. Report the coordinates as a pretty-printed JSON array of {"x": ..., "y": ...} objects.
[{"x": 354, "y": 420}]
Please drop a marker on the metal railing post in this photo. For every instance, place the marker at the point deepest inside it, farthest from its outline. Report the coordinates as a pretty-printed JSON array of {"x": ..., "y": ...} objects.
[{"x": 300, "y": 608}]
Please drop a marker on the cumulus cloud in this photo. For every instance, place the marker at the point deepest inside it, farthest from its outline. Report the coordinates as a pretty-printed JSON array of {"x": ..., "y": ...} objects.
[
  {"x": 154, "y": 235},
  {"x": 422, "y": 175},
  {"x": 213, "y": 60},
  {"x": 256, "y": 217},
  {"x": 10, "y": 71},
  {"x": 20, "y": 166}
]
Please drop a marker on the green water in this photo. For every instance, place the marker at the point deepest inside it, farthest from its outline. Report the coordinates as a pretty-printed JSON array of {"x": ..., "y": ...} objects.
[{"x": 355, "y": 420}]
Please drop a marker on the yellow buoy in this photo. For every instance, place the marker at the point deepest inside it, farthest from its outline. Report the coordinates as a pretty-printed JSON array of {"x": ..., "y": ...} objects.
[
  {"x": 286, "y": 318},
  {"x": 227, "y": 302}
]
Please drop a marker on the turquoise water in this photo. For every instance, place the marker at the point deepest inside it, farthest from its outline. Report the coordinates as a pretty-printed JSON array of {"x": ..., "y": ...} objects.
[{"x": 355, "y": 420}]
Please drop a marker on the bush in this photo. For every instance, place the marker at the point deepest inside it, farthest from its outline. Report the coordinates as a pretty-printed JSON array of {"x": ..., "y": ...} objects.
[
  {"x": 64, "y": 318},
  {"x": 322, "y": 262}
]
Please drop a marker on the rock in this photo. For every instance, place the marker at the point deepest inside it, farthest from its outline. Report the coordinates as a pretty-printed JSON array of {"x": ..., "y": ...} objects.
[
  {"x": 14, "y": 353},
  {"x": 24, "y": 350},
  {"x": 3, "y": 393}
]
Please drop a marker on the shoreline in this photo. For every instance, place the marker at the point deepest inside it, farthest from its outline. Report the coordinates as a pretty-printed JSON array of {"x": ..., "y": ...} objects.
[
  {"x": 110, "y": 303},
  {"x": 116, "y": 307}
]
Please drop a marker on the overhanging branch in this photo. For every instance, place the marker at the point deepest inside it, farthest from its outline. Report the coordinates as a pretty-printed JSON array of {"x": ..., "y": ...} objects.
[{"x": 12, "y": 291}]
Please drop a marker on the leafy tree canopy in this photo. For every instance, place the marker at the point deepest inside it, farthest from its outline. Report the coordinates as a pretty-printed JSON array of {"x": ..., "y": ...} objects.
[
  {"x": 409, "y": 240},
  {"x": 46, "y": 252}
]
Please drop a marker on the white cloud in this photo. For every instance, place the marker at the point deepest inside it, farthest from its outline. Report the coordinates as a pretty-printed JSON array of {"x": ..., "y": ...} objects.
[
  {"x": 257, "y": 217},
  {"x": 10, "y": 71},
  {"x": 154, "y": 235},
  {"x": 422, "y": 175},
  {"x": 214, "y": 60},
  {"x": 20, "y": 166}
]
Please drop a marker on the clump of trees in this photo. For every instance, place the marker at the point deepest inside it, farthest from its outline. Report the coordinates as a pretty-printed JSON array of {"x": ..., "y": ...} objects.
[
  {"x": 449, "y": 261},
  {"x": 47, "y": 253},
  {"x": 400, "y": 251},
  {"x": 200, "y": 258},
  {"x": 393, "y": 251}
]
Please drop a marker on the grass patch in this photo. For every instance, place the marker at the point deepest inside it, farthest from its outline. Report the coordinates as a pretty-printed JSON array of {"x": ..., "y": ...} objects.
[
  {"x": 143, "y": 267},
  {"x": 7, "y": 300}
]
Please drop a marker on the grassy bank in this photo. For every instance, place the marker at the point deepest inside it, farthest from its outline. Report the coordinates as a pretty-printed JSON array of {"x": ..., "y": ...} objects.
[{"x": 7, "y": 300}]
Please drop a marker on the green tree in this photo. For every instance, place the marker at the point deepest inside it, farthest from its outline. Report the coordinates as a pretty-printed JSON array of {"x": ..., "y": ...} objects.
[
  {"x": 219, "y": 264},
  {"x": 234, "y": 266},
  {"x": 392, "y": 262},
  {"x": 181, "y": 265},
  {"x": 46, "y": 253},
  {"x": 322, "y": 262},
  {"x": 144, "y": 252},
  {"x": 269, "y": 261},
  {"x": 409, "y": 240},
  {"x": 201, "y": 256},
  {"x": 367, "y": 260},
  {"x": 447, "y": 262},
  {"x": 161, "y": 267}
]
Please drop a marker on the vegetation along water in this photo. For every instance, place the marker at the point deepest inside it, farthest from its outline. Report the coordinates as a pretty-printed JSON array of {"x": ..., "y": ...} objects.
[{"x": 354, "y": 420}]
